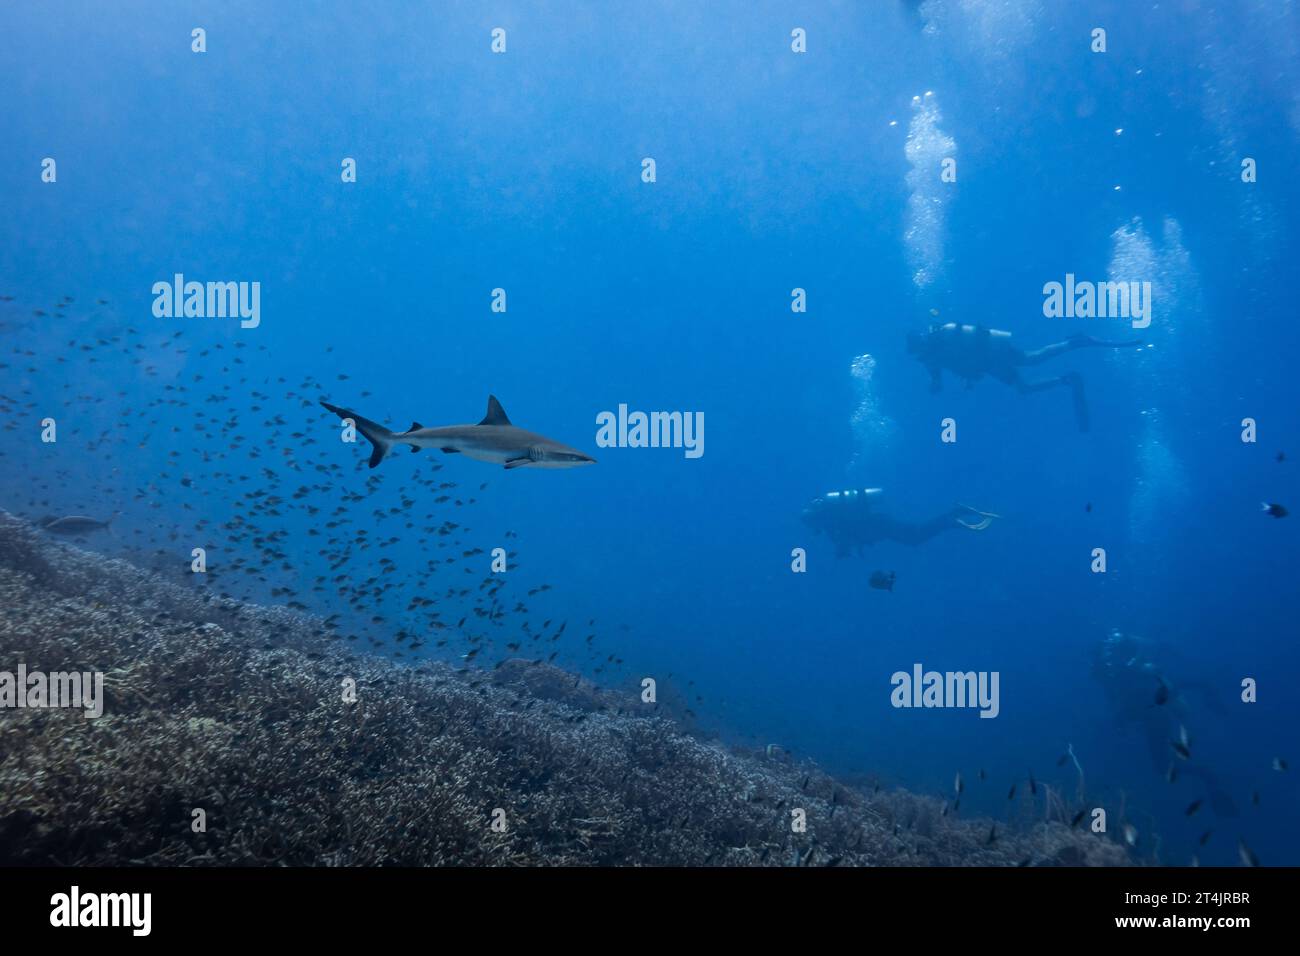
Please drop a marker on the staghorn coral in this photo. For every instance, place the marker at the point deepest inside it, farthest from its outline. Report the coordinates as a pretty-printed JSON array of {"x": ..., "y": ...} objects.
[{"x": 238, "y": 710}]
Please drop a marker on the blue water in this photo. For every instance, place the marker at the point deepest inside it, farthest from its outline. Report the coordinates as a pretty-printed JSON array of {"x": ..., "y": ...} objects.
[{"x": 775, "y": 171}]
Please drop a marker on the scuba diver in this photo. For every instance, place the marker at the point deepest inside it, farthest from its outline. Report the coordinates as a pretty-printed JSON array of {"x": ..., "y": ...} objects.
[
  {"x": 852, "y": 520},
  {"x": 1141, "y": 693},
  {"x": 912, "y": 13},
  {"x": 971, "y": 351}
]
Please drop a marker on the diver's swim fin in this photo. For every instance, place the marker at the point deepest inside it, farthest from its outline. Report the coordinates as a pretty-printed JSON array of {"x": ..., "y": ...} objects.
[
  {"x": 1087, "y": 341},
  {"x": 986, "y": 518},
  {"x": 1080, "y": 400}
]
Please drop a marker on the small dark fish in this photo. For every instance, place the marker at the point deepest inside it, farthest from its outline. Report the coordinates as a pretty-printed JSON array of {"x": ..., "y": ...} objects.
[
  {"x": 1162, "y": 694},
  {"x": 1279, "y": 764},
  {"x": 1247, "y": 858},
  {"x": 1205, "y": 838},
  {"x": 882, "y": 581},
  {"x": 993, "y": 834},
  {"x": 1254, "y": 797},
  {"x": 1088, "y": 507},
  {"x": 1078, "y": 817},
  {"x": 1060, "y": 761},
  {"x": 1033, "y": 785},
  {"x": 1281, "y": 456},
  {"x": 1011, "y": 794},
  {"x": 1274, "y": 511},
  {"x": 1192, "y": 808},
  {"x": 958, "y": 785}
]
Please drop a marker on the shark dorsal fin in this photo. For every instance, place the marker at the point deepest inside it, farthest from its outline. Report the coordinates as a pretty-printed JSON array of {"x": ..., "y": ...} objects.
[
  {"x": 415, "y": 427},
  {"x": 496, "y": 415}
]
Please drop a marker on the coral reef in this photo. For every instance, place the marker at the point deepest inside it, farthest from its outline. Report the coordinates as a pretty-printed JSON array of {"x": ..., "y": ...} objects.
[{"x": 239, "y": 711}]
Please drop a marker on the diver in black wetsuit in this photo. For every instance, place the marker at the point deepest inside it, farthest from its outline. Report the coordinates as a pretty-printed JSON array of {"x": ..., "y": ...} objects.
[
  {"x": 852, "y": 520},
  {"x": 1141, "y": 694},
  {"x": 970, "y": 352}
]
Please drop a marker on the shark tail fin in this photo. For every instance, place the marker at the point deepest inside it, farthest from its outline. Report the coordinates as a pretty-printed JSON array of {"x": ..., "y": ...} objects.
[{"x": 380, "y": 437}]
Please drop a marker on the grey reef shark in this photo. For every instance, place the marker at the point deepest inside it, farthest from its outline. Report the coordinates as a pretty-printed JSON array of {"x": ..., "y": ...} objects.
[{"x": 494, "y": 439}]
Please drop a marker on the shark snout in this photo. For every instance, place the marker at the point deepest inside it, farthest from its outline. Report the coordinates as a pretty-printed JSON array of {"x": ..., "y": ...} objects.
[{"x": 564, "y": 458}]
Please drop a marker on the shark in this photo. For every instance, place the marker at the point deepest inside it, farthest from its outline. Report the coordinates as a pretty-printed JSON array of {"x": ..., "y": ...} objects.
[
  {"x": 75, "y": 524},
  {"x": 495, "y": 439}
]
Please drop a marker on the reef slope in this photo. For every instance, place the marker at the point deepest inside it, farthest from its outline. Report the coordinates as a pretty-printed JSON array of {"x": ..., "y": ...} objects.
[{"x": 238, "y": 710}]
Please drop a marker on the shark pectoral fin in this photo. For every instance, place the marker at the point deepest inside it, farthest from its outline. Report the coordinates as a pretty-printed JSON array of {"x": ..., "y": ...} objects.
[
  {"x": 450, "y": 451},
  {"x": 414, "y": 449},
  {"x": 518, "y": 462}
]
